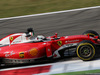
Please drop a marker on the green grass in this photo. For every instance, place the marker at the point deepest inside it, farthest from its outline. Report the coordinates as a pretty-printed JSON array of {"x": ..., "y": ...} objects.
[
  {"x": 90, "y": 72},
  {"x": 10, "y": 8}
]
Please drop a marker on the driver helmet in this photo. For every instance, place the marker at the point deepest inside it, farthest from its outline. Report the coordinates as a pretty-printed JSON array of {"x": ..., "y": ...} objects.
[{"x": 29, "y": 32}]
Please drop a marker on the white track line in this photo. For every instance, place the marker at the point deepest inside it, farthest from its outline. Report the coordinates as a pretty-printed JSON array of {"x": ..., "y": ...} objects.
[
  {"x": 68, "y": 62},
  {"x": 73, "y": 67},
  {"x": 66, "y": 66},
  {"x": 50, "y": 13}
]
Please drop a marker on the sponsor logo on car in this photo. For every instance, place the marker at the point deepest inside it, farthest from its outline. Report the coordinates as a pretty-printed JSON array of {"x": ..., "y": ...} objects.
[
  {"x": 21, "y": 55},
  {"x": 8, "y": 54},
  {"x": 69, "y": 41},
  {"x": 33, "y": 52},
  {"x": 59, "y": 43},
  {"x": 11, "y": 38}
]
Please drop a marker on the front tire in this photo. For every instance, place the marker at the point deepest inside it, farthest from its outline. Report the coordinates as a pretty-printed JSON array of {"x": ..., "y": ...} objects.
[
  {"x": 86, "y": 50},
  {"x": 91, "y": 33}
]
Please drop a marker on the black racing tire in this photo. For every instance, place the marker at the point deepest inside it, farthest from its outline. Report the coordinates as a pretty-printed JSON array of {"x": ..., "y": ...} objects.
[
  {"x": 91, "y": 33},
  {"x": 86, "y": 50}
]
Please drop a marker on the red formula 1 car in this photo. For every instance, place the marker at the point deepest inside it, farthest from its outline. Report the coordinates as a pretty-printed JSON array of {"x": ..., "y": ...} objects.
[{"x": 25, "y": 48}]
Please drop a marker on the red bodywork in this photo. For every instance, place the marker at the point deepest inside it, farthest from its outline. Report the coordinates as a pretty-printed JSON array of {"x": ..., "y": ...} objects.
[{"x": 46, "y": 48}]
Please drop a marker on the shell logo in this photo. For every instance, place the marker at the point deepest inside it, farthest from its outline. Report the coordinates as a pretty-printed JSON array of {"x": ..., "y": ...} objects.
[{"x": 33, "y": 52}]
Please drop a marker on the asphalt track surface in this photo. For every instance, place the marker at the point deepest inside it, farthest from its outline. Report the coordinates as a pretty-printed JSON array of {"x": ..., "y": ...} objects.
[{"x": 67, "y": 23}]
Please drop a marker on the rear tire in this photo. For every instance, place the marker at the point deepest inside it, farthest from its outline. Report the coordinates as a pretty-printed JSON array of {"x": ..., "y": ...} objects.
[{"x": 86, "y": 50}]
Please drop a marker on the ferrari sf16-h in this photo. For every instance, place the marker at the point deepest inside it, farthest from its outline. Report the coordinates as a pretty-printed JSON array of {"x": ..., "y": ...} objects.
[{"x": 26, "y": 48}]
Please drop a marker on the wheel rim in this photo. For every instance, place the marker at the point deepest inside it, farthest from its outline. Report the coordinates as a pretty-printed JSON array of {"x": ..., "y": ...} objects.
[{"x": 85, "y": 51}]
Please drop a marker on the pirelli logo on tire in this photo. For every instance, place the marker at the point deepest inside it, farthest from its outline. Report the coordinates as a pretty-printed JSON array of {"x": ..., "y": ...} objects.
[{"x": 82, "y": 49}]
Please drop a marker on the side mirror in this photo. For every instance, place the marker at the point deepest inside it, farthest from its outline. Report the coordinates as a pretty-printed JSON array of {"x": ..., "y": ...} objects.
[{"x": 56, "y": 35}]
